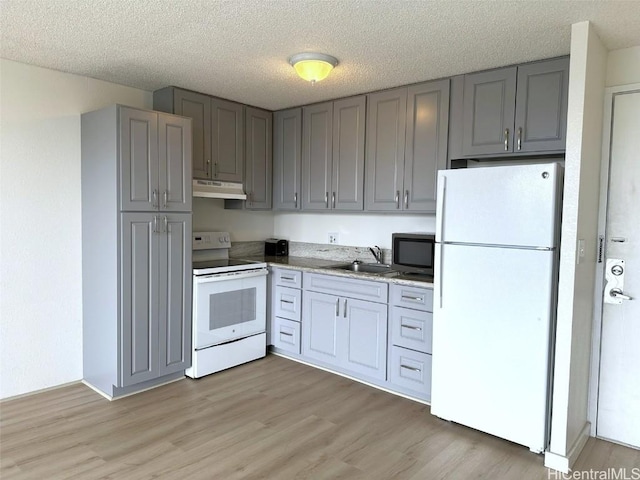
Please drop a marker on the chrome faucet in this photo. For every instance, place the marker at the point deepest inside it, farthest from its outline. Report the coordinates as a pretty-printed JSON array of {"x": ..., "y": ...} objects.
[{"x": 377, "y": 253}]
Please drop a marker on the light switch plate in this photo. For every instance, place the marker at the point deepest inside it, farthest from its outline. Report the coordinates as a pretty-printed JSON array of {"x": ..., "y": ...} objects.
[{"x": 333, "y": 238}]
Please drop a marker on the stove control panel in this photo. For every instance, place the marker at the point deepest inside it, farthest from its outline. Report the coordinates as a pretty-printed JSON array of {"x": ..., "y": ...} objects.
[{"x": 209, "y": 240}]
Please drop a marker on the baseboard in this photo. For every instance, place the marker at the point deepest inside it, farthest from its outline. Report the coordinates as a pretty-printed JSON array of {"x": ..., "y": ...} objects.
[
  {"x": 41, "y": 390},
  {"x": 564, "y": 463}
]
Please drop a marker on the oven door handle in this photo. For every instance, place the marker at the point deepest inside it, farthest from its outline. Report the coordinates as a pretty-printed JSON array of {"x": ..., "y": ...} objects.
[{"x": 221, "y": 277}]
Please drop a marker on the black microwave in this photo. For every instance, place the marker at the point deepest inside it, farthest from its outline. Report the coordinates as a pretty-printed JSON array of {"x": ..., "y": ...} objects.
[{"x": 413, "y": 252}]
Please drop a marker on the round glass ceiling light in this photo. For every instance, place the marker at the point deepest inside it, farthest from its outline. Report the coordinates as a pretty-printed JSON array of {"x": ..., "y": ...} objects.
[{"x": 313, "y": 67}]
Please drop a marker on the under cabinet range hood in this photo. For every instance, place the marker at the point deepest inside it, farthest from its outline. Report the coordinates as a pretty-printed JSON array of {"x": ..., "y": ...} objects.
[{"x": 217, "y": 189}]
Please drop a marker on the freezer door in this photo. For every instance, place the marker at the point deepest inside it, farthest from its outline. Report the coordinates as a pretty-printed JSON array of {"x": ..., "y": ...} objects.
[
  {"x": 492, "y": 322},
  {"x": 512, "y": 205}
]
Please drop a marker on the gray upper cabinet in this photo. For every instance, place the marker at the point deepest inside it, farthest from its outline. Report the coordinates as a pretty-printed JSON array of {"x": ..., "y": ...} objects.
[
  {"x": 333, "y": 155},
  {"x": 197, "y": 107},
  {"x": 386, "y": 127},
  {"x": 317, "y": 153},
  {"x": 227, "y": 140},
  {"x": 259, "y": 160},
  {"x": 516, "y": 110},
  {"x": 287, "y": 159},
  {"x": 348, "y": 154},
  {"x": 425, "y": 143},
  {"x": 541, "y": 106},
  {"x": 489, "y": 106},
  {"x": 155, "y": 168},
  {"x": 407, "y": 131}
]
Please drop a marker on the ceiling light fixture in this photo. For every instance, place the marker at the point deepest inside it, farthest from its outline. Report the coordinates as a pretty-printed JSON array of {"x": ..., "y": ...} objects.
[{"x": 313, "y": 67}]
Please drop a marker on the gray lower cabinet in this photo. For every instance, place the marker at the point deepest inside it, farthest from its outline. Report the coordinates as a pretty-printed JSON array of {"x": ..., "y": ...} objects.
[
  {"x": 410, "y": 340},
  {"x": 345, "y": 332},
  {"x": 285, "y": 312},
  {"x": 516, "y": 110},
  {"x": 136, "y": 265},
  {"x": 259, "y": 160},
  {"x": 287, "y": 159},
  {"x": 407, "y": 132},
  {"x": 333, "y": 136}
]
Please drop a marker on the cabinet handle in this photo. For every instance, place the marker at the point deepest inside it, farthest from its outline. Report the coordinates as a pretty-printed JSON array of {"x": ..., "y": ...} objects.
[
  {"x": 397, "y": 199},
  {"x": 165, "y": 199},
  {"x": 286, "y": 278},
  {"x": 287, "y": 334},
  {"x": 326, "y": 199},
  {"x": 406, "y": 199},
  {"x": 413, "y": 369},
  {"x": 155, "y": 224},
  {"x": 411, "y": 327},
  {"x": 250, "y": 197},
  {"x": 519, "y": 138},
  {"x": 295, "y": 200},
  {"x": 287, "y": 301},
  {"x": 337, "y": 307},
  {"x": 166, "y": 222},
  {"x": 506, "y": 139},
  {"x": 215, "y": 169},
  {"x": 345, "y": 308},
  {"x": 155, "y": 198},
  {"x": 416, "y": 299},
  {"x": 333, "y": 199}
]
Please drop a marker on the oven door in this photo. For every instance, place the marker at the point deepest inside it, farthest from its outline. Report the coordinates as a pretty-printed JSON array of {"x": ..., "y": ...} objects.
[{"x": 228, "y": 306}]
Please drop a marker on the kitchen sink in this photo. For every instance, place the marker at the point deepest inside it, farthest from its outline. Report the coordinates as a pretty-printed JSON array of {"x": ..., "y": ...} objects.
[{"x": 365, "y": 267}]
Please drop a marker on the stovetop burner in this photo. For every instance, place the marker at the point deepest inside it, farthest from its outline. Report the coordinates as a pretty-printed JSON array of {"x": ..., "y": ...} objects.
[{"x": 226, "y": 262}]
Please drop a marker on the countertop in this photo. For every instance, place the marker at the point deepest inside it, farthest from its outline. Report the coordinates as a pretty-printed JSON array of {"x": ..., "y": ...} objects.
[{"x": 318, "y": 265}]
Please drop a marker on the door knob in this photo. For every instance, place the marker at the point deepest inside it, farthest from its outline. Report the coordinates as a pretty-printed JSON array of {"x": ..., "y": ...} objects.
[{"x": 617, "y": 293}]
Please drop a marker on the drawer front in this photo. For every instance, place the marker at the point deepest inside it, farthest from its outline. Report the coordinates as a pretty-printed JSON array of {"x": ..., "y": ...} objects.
[
  {"x": 411, "y": 329},
  {"x": 346, "y": 287},
  {"x": 412, "y": 297},
  {"x": 288, "y": 278},
  {"x": 286, "y": 335},
  {"x": 410, "y": 370},
  {"x": 287, "y": 303}
]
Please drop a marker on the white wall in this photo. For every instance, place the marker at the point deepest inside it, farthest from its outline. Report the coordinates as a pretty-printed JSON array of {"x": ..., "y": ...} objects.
[
  {"x": 623, "y": 66},
  {"x": 40, "y": 240},
  {"x": 580, "y": 217},
  {"x": 356, "y": 230},
  {"x": 243, "y": 225}
]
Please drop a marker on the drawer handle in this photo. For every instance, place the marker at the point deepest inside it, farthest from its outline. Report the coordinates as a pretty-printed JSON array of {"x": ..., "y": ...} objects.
[
  {"x": 287, "y": 334},
  {"x": 417, "y": 299},
  {"x": 411, "y": 327},
  {"x": 413, "y": 369},
  {"x": 291, "y": 279},
  {"x": 287, "y": 301}
]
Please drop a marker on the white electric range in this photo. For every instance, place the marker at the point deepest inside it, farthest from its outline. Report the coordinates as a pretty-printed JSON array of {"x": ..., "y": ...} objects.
[{"x": 229, "y": 306}]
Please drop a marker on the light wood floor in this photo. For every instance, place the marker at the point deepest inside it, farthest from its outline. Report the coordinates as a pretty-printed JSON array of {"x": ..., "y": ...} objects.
[{"x": 272, "y": 418}]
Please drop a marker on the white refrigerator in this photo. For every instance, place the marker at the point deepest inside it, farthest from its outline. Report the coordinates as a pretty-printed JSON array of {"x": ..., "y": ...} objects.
[{"x": 497, "y": 239}]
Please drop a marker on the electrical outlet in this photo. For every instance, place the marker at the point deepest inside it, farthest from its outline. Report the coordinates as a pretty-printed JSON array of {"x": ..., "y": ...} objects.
[{"x": 333, "y": 238}]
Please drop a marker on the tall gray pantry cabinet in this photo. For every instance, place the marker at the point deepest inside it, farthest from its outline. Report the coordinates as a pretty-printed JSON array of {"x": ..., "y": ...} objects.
[{"x": 136, "y": 248}]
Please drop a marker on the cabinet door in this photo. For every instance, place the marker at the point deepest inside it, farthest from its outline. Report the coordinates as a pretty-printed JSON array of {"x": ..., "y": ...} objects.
[
  {"x": 317, "y": 144},
  {"x": 227, "y": 140},
  {"x": 386, "y": 125},
  {"x": 426, "y": 143},
  {"x": 287, "y": 160},
  {"x": 259, "y": 159},
  {"x": 174, "y": 160},
  {"x": 320, "y": 336},
  {"x": 138, "y": 160},
  {"x": 139, "y": 277},
  {"x": 348, "y": 153},
  {"x": 364, "y": 329},
  {"x": 198, "y": 108},
  {"x": 489, "y": 106},
  {"x": 175, "y": 287},
  {"x": 541, "y": 106}
]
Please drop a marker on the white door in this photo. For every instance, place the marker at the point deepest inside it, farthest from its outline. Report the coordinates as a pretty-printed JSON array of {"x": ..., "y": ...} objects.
[{"x": 619, "y": 386}]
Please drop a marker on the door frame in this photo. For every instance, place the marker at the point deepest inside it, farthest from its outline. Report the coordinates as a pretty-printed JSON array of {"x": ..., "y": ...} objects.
[{"x": 596, "y": 338}]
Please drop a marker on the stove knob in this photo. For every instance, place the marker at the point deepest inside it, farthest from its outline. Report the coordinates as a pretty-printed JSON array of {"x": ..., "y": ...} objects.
[
  {"x": 221, "y": 239},
  {"x": 226, "y": 239}
]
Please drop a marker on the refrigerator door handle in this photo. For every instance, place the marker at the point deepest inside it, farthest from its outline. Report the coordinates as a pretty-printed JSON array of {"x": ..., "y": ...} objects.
[
  {"x": 442, "y": 181},
  {"x": 440, "y": 275}
]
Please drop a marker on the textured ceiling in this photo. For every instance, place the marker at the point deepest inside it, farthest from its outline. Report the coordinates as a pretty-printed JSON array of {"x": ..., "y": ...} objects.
[{"x": 239, "y": 49}]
